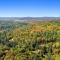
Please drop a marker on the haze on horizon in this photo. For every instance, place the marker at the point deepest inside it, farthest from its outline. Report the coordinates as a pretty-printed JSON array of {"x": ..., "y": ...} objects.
[{"x": 29, "y": 8}]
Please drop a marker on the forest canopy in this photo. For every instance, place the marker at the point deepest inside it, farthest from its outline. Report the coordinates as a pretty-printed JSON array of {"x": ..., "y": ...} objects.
[{"x": 35, "y": 40}]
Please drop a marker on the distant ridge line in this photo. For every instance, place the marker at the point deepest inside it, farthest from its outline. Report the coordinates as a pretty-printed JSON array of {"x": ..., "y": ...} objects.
[{"x": 29, "y": 18}]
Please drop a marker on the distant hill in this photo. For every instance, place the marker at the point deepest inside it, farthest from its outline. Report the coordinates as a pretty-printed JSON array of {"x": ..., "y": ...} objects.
[{"x": 29, "y": 18}]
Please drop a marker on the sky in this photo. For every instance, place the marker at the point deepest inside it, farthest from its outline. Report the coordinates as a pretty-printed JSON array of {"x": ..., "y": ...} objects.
[{"x": 29, "y": 8}]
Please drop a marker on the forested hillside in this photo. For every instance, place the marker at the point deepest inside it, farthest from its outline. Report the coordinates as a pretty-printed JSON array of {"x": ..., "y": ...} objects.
[{"x": 34, "y": 40}]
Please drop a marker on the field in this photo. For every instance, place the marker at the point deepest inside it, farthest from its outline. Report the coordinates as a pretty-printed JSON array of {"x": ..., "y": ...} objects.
[{"x": 30, "y": 40}]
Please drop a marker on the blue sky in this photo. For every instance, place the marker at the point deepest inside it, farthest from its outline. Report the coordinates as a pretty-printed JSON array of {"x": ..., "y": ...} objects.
[{"x": 29, "y": 8}]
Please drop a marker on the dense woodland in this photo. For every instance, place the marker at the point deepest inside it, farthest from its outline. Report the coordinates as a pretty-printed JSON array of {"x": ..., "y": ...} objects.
[{"x": 30, "y": 40}]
